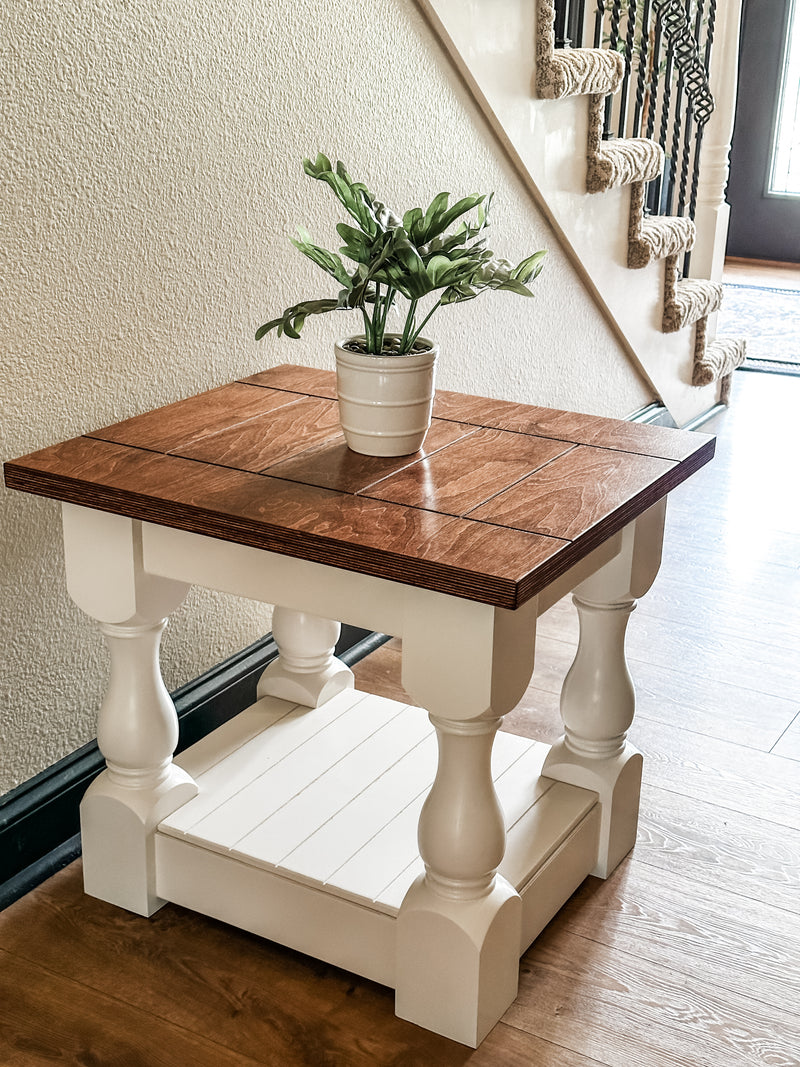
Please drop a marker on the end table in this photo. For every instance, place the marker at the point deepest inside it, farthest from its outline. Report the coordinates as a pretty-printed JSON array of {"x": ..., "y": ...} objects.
[{"x": 422, "y": 849}]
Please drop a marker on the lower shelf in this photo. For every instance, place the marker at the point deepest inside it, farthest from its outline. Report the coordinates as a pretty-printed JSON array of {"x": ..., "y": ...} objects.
[{"x": 304, "y": 827}]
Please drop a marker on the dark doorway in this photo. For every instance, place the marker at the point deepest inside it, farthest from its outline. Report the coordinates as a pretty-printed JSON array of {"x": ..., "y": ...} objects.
[{"x": 765, "y": 217}]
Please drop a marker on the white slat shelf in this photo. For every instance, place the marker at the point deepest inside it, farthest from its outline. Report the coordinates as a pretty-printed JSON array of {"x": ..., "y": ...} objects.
[{"x": 326, "y": 801}]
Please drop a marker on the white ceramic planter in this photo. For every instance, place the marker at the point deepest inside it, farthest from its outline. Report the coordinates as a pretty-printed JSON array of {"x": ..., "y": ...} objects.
[{"x": 385, "y": 402}]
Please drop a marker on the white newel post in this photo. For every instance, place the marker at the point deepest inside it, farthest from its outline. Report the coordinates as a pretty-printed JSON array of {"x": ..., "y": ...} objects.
[
  {"x": 597, "y": 698},
  {"x": 137, "y": 727},
  {"x": 712, "y": 212},
  {"x": 306, "y": 671},
  {"x": 459, "y": 927}
]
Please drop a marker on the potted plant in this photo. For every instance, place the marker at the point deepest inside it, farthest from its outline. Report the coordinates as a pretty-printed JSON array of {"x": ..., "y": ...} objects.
[{"x": 385, "y": 378}]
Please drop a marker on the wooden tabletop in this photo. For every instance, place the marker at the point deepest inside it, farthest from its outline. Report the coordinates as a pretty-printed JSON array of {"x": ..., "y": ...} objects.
[{"x": 503, "y": 499}]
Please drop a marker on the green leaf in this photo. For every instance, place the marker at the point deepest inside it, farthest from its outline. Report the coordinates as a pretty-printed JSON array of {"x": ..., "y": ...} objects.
[
  {"x": 529, "y": 268},
  {"x": 401, "y": 266},
  {"x": 436, "y": 210},
  {"x": 321, "y": 165},
  {"x": 438, "y": 217},
  {"x": 443, "y": 271},
  {"x": 412, "y": 219},
  {"x": 498, "y": 273},
  {"x": 358, "y": 246},
  {"x": 363, "y": 291},
  {"x": 457, "y": 294},
  {"x": 355, "y": 196},
  {"x": 512, "y": 286},
  {"x": 424, "y": 227},
  {"x": 292, "y": 320},
  {"x": 385, "y": 217},
  {"x": 461, "y": 242},
  {"x": 329, "y": 261},
  {"x": 461, "y": 208}
]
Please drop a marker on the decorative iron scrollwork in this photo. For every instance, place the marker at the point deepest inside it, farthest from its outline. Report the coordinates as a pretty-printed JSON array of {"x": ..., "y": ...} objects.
[{"x": 678, "y": 32}]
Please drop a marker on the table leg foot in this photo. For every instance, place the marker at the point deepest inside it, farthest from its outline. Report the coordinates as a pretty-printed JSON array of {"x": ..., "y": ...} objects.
[
  {"x": 306, "y": 672},
  {"x": 617, "y": 782},
  {"x": 118, "y": 826},
  {"x": 457, "y": 960}
]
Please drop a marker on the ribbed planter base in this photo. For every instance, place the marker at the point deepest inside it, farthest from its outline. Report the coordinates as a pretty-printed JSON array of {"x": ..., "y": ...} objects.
[{"x": 385, "y": 402}]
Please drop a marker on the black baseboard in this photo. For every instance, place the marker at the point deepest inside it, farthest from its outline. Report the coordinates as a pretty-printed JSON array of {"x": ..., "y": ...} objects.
[{"x": 39, "y": 820}]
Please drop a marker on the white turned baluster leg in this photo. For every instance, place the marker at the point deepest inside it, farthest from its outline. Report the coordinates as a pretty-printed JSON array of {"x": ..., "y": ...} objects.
[
  {"x": 597, "y": 698},
  {"x": 306, "y": 671},
  {"x": 459, "y": 927},
  {"x": 137, "y": 727},
  {"x": 597, "y": 706},
  {"x": 137, "y": 733},
  {"x": 461, "y": 857}
]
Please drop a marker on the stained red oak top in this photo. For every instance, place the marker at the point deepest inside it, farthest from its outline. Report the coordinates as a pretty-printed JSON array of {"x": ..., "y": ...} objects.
[{"x": 503, "y": 499}]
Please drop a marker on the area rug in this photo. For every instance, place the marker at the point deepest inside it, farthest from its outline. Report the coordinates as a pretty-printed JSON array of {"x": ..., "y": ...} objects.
[{"x": 769, "y": 319}]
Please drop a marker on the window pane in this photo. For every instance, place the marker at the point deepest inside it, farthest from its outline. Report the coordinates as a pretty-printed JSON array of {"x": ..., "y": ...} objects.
[{"x": 785, "y": 169}]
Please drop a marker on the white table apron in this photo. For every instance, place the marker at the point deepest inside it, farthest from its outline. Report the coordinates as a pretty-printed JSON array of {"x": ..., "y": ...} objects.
[{"x": 507, "y": 829}]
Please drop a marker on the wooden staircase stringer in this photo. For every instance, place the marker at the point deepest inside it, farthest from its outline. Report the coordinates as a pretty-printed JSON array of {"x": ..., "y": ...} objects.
[
  {"x": 634, "y": 161},
  {"x": 546, "y": 141},
  {"x": 496, "y": 115}
]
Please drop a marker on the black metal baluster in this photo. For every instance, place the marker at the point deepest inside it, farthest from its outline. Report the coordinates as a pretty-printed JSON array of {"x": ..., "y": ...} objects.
[
  {"x": 655, "y": 61},
  {"x": 644, "y": 45},
  {"x": 653, "y": 200},
  {"x": 599, "y": 19},
  {"x": 575, "y": 23},
  {"x": 690, "y": 118},
  {"x": 664, "y": 180},
  {"x": 676, "y": 116},
  {"x": 560, "y": 24},
  {"x": 613, "y": 41},
  {"x": 675, "y": 144},
  {"x": 630, "y": 38},
  {"x": 712, "y": 18},
  {"x": 685, "y": 151},
  {"x": 698, "y": 144},
  {"x": 688, "y": 142}
]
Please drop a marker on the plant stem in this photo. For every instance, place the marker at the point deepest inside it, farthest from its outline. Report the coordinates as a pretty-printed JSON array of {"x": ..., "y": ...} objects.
[
  {"x": 375, "y": 339},
  {"x": 422, "y": 324},
  {"x": 367, "y": 328},
  {"x": 405, "y": 343},
  {"x": 381, "y": 315},
  {"x": 379, "y": 320}
]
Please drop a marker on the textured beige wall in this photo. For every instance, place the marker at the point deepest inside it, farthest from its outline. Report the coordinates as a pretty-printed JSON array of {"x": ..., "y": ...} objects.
[{"x": 150, "y": 175}]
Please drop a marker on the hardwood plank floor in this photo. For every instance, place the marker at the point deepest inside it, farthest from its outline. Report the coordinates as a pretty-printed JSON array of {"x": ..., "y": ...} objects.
[
  {"x": 688, "y": 955},
  {"x": 772, "y": 274}
]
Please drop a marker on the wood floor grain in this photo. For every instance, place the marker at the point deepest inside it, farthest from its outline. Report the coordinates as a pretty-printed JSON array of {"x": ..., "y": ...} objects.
[
  {"x": 688, "y": 956},
  {"x": 720, "y": 848},
  {"x": 45, "y": 1021},
  {"x": 623, "y": 1010},
  {"x": 700, "y": 930},
  {"x": 762, "y": 272}
]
